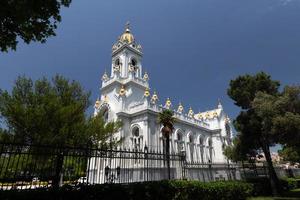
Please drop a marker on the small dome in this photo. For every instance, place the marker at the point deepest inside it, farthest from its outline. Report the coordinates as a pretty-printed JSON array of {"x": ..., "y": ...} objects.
[{"x": 127, "y": 35}]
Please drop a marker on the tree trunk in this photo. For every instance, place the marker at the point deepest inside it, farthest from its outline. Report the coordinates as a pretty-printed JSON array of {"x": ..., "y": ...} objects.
[
  {"x": 168, "y": 155},
  {"x": 274, "y": 181}
]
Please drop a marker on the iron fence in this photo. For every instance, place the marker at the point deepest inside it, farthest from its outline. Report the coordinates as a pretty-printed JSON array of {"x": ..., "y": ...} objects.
[{"x": 33, "y": 166}]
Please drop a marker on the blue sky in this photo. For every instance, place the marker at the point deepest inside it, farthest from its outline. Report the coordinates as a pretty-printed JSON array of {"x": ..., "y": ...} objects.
[{"x": 192, "y": 48}]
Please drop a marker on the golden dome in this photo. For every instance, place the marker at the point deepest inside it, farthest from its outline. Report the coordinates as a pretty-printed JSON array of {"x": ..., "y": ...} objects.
[{"x": 127, "y": 35}]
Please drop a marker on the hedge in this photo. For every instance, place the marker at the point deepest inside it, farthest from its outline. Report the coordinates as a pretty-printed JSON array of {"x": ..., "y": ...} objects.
[{"x": 167, "y": 190}]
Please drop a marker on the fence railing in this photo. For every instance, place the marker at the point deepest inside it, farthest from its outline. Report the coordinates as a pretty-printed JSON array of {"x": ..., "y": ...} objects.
[{"x": 34, "y": 166}]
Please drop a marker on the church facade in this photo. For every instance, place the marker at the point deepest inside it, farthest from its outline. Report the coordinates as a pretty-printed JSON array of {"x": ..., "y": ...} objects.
[{"x": 126, "y": 95}]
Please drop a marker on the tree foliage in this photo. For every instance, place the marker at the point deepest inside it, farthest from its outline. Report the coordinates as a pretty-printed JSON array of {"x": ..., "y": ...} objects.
[
  {"x": 167, "y": 119},
  {"x": 253, "y": 126},
  {"x": 101, "y": 133},
  {"x": 52, "y": 113},
  {"x": 291, "y": 154},
  {"x": 28, "y": 20}
]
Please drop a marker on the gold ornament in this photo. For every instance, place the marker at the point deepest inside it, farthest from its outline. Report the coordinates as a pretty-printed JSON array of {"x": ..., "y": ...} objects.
[
  {"x": 200, "y": 116},
  {"x": 168, "y": 103},
  {"x": 191, "y": 112},
  {"x": 122, "y": 91},
  {"x": 105, "y": 98},
  {"x": 154, "y": 97},
  {"x": 147, "y": 92},
  {"x": 207, "y": 115},
  {"x": 146, "y": 76},
  {"x": 215, "y": 114},
  {"x": 180, "y": 108}
]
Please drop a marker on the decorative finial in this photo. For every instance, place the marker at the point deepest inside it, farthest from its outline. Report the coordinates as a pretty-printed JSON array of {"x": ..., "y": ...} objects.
[
  {"x": 147, "y": 92},
  {"x": 104, "y": 77},
  {"x": 105, "y": 99},
  {"x": 219, "y": 104},
  {"x": 168, "y": 103},
  {"x": 191, "y": 112},
  {"x": 180, "y": 108},
  {"x": 122, "y": 91},
  {"x": 200, "y": 116},
  {"x": 146, "y": 76},
  {"x": 154, "y": 97}
]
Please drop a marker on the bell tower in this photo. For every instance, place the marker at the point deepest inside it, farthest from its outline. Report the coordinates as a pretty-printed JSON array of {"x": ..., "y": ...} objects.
[{"x": 126, "y": 56}]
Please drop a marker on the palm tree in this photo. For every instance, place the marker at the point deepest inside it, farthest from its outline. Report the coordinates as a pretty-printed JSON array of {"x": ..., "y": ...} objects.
[{"x": 167, "y": 120}]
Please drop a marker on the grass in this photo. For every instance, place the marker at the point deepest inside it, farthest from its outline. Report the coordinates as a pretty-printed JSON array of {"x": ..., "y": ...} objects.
[{"x": 290, "y": 195}]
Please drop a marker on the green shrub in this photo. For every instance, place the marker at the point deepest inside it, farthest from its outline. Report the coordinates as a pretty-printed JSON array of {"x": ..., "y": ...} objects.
[
  {"x": 289, "y": 183},
  {"x": 261, "y": 186},
  {"x": 167, "y": 190}
]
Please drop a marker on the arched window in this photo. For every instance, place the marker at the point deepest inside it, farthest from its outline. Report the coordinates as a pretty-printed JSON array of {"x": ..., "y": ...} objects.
[
  {"x": 191, "y": 146},
  {"x": 227, "y": 128},
  {"x": 104, "y": 112},
  {"x": 133, "y": 62},
  {"x": 179, "y": 142},
  {"x": 136, "y": 138},
  {"x": 201, "y": 140},
  {"x": 117, "y": 62},
  {"x": 201, "y": 148},
  {"x": 210, "y": 142},
  {"x": 135, "y": 67},
  {"x": 210, "y": 146}
]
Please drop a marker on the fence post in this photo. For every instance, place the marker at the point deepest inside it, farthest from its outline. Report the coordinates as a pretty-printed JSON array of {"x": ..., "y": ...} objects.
[
  {"x": 183, "y": 163},
  {"x": 57, "y": 182},
  {"x": 146, "y": 160}
]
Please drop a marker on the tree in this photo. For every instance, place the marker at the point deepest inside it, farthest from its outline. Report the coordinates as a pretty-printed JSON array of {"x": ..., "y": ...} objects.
[
  {"x": 28, "y": 20},
  {"x": 167, "y": 120},
  {"x": 101, "y": 132},
  {"x": 291, "y": 154},
  {"x": 254, "y": 129},
  {"x": 52, "y": 113},
  {"x": 280, "y": 115},
  {"x": 44, "y": 112}
]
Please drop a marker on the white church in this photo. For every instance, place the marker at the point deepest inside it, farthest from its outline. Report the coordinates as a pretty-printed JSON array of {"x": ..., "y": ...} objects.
[{"x": 126, "y": 95}]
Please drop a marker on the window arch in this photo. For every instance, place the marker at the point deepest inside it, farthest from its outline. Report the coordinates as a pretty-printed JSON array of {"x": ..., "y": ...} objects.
[
  {"x": 191, "y": 146},
  {"x": 137, "y": 139},
  {"x": 201, "y": 148},
  {"x": 210, "y": 146},
  {"x": 210, "y": 142},
  {"x": 134, "y": 64},
  {"x": 117, "y": 62},
  {"x": 179, "y": 141},
  {"x": 104, "y": 112}
]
